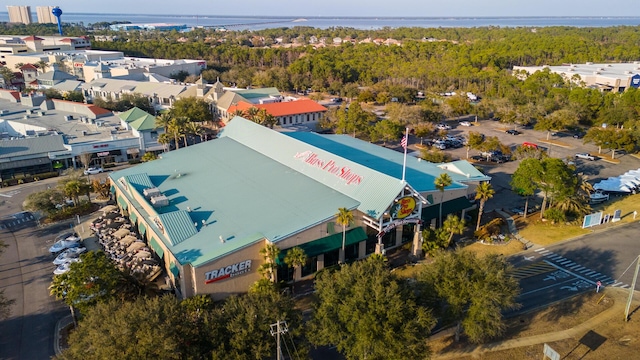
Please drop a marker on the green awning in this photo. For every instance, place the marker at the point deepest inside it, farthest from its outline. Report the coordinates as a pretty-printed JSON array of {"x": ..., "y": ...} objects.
[
  {"x": 329, "y": 243},
  {"x": 122, "y": 202},
  {"x": 174, "y": 269},
  {"x": 133, "y": 217},
  {"x": 156, "y": 247},
  {"x": 448, "y": 207},
  {"x": 141, "y": 228}
]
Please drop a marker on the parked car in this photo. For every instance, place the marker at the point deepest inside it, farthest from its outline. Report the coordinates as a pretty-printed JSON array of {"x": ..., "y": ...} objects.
[
  {"x": 527, "y": 126},
  {"x": 443, "y": 126},
  {"x": 513, "y": 132},
  {"x": 578, "y": 135},
  {"x": 93, "y": 171},
  {"x": 478, "y": 158},
  {"x": 465, "y": 123},
  {"x": 585, "y": 156}
]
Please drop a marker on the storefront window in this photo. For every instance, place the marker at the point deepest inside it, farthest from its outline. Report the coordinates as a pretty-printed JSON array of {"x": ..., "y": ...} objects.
[
  {"x": 285, "y": 273},
  {"x": 351, "y": 252},
  {"x": 331, "y": 258},
  {"x": 389, "y": 239},
  {"x": 407, "y": 232},
  {"x": 371, "y": 244},
  {"x": 310, "y": 267}
]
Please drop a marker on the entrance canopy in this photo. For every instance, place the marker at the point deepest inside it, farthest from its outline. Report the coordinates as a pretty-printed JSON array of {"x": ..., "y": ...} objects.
[
  {"x": 328, "y": 243},
  {"x": 448, "y": 207}
]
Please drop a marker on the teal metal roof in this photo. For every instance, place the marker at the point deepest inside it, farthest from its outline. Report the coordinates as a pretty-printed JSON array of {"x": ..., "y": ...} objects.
[
  {"x": 419, "y": 174},
  {"x": 250, "y": 94},
  {"x": 178, "y": 225},
  {"x": 140, "y": 181},
  {"x": 374, "y": 190},
  {"x": 462, "y": 171},
  {"x": 138, "y": 119},
  {"x": 242, "y": 195}
]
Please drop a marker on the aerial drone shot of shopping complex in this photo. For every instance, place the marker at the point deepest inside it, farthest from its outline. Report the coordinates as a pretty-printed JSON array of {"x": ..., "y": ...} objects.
[{"x": 254, "y": 187}]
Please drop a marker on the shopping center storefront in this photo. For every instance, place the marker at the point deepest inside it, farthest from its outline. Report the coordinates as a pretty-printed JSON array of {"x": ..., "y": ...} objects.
[{"x": 208, "y": 210}]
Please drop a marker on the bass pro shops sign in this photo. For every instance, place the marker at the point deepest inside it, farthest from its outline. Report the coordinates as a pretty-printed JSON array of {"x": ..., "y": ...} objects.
[{"x": 227, "y": 272}]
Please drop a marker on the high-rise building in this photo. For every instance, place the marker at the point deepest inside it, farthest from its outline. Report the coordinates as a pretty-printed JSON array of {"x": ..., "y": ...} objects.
[
  {"x": 45, "y": 16},
  {"x": 19, "y": 14}
]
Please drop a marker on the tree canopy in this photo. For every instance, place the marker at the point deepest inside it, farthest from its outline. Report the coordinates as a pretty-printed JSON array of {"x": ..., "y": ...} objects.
[
  {"x": 471, "y": 291},
  {"x": 367, "y": 313}
]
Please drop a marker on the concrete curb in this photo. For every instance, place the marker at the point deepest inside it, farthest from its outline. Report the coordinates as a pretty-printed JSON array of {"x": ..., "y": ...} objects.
[{"x": 57, "y": 335}]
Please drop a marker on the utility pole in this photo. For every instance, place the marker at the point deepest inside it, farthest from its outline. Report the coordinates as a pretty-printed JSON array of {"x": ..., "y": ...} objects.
[
  {"x": 276, "y": 329},
  {"x": 632, "y": 289}
]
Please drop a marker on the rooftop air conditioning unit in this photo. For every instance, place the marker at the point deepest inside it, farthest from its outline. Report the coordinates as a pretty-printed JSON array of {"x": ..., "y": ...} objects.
[
  {"x": 159, "y": 201},
  {"x": 151, "y": 192}
]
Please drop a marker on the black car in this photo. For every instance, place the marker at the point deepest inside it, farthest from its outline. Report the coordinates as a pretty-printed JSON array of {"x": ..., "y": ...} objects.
[
  {"x": 513, "y": 132},
  {"x": 527, "y": 126},
  {"x": 478, "y": 158},
  {"x": 578, "y": 135}
]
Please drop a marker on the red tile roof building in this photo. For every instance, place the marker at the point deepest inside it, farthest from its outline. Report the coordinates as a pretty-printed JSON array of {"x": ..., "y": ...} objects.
[{"x": 288, "y": 113}]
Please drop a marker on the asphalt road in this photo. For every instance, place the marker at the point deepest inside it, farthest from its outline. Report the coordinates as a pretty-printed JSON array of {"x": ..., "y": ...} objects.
[
  {"x": 25, "y": 275},
  {"x": 557, "y": 272}
]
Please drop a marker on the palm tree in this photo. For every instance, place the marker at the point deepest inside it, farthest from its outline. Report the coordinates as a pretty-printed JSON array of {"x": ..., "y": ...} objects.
[
  {"x": 453, "y": 225},
  {"x": 194, "y": 128},
  {"x": 164, "y": 139},
  {"x": 43, "y": 65},
  {"x": 484, "y": 192},
  {"x": 344, "y": 217},
  {"x": 441, "y": 182},
  {"x": 295, "y": 258},
  {"x": 270, "y": 253},
  {"x": 163, "y": 120},
  {"x": 176, "y": 128}
]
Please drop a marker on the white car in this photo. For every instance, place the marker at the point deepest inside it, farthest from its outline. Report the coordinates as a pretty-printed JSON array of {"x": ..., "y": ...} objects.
[
  {"x": 465, "y": 123},
  {"x": 93, "y": 171},
  {"x": 443, "y": 127},
  {"x": 585, "y": 156}
]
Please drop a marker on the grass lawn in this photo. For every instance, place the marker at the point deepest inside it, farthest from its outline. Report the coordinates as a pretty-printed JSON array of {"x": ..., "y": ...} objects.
[
  {"x": 545, "y": 233},
  {"x": 510, "y": 248}
]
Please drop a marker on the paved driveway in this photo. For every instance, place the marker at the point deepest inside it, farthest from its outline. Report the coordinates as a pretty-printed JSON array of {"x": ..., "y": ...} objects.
[{"x": 25, "y": 275}]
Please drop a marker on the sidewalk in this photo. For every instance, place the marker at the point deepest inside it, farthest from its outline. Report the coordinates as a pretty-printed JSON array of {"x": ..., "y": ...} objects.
[
  {"x": 617, "y": 310},
  {"x": 514, "y": 230}
]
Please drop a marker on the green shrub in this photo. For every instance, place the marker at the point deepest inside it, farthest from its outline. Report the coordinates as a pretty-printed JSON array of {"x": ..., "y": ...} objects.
[{"x": 555, "y": 215}]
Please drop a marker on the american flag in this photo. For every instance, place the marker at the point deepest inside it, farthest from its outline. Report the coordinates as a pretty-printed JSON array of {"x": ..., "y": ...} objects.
[{"x": 403, "y": 142}]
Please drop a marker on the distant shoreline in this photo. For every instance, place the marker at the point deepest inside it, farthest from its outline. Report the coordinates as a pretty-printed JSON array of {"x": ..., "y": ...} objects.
[{"x": 240, "y": 22}]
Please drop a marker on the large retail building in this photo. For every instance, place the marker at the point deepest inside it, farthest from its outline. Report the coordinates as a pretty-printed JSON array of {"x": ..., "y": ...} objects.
[{"x": 207, "y": 210}]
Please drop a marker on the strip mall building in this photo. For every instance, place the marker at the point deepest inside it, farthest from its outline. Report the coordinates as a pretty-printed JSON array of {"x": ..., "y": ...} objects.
[{"x": 207, "y": 210}]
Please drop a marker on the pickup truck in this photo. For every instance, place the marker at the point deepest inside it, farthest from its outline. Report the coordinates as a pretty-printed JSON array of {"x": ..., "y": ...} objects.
[{"x": 585, "y": 156}]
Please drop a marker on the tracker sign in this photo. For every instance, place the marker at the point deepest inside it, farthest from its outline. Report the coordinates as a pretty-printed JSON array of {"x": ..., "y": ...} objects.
[{"x": 227, "y": 272}]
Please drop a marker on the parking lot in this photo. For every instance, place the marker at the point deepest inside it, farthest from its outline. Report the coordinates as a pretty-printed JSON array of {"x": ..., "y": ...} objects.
[{"x": 501, "y": 172}]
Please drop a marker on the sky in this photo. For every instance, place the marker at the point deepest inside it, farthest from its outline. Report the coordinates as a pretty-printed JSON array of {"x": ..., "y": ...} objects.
[{"x": 349, "y": 8}]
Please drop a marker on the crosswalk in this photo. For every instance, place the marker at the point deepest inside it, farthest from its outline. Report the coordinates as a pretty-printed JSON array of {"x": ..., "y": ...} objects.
[
  {"x": 531, "y": 270},
  {"x": 577, "y": 269},
  {"x": 16, "y": 220}
]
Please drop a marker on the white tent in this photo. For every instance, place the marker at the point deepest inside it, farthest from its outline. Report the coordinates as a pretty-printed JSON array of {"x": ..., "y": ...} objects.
[{"x": 612, "y": 185}]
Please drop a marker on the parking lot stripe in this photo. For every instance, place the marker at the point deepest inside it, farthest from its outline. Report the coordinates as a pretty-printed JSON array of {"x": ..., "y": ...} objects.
[
  {"x": 617, "y": 283},
  {"x": 564, "y": 263},
  {"x": 540, "y": 250},
  {"x": 624, "y": 286},
  {"x": 531, "y": 270},
  {"x": 590, "y": 273}
]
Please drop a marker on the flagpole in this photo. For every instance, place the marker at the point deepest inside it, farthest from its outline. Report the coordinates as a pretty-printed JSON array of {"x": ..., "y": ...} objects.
[{"x": 406, "y": 144}]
